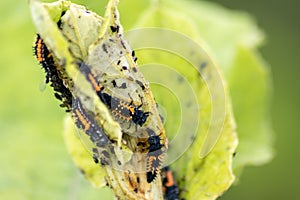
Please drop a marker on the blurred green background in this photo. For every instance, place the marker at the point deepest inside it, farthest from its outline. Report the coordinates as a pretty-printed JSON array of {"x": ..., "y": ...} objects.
[
  {"x": 27, "y": 114},
  {"x": 280, "y": 178}
]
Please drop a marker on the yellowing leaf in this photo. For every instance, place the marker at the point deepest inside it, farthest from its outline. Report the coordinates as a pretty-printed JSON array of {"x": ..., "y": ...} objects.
[{"x": 81, "y": 157}]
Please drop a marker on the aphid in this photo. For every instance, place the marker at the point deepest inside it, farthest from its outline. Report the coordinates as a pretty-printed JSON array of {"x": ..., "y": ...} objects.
[
  {"x": 119, "y": 108},
  {"x": 45, "y": 58},
  {"x": 90, "y": 127},
  {"x": 154, "y": 156},
  {"x": 170, "y": 187},
  {"x": 133, "y": 56},
  {"x": 114, "y": 29}
]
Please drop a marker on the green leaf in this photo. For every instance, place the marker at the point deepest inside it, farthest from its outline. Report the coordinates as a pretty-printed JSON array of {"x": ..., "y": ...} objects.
[
  {"x": 249, "y": 81},
  {"x": 188, "y": 72},
  {"x": 246, "y": 73}
]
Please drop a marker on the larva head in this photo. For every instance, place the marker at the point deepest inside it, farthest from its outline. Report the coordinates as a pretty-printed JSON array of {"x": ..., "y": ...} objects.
[
  {"x": 154, "y": 143},
  {"x": 139, "y": 117}
]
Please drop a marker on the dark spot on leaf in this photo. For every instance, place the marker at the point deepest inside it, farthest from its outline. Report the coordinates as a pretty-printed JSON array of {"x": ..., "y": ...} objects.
[
  {"x": 180, "y": 79},
  {"x": 130, "y": 78},
  {"x": 123, "y": 44},
  {"x": 114, "y": 83},
  {"x": 82, "y": 171},
  {"x": 123, "y": 86},
  {"x": 188, "y": 104},
  {"x": 112, "y": 150},
  {"x": 104, "y": 48},
  {"x": 202, "y": 65}
]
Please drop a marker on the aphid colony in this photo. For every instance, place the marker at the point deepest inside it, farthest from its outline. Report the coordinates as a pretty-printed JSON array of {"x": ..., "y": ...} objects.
[
  {"x": 120, "y": 109},
  {"x": 110, "y": 68}
]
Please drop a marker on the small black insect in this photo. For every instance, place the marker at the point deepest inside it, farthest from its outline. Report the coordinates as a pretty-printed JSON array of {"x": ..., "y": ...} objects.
[
  {"x": 133, "y": 56},
  {"x": 114, "y": 29},
  {"x": 95, "y": 158},
  {"x": 140, "y": 84},
  {"x": 95, "y": 155}
]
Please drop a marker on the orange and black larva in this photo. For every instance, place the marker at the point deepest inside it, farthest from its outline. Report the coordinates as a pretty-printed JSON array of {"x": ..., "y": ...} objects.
[
  {"x": 45, "y": 58},
  {"x": 119, "y": 108},
  {"x": 154, "y": 156},
  {"x": 170, "y": 187},
  {"x": 90, "y": 127},
  {"x": 124, "y": 110}
]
